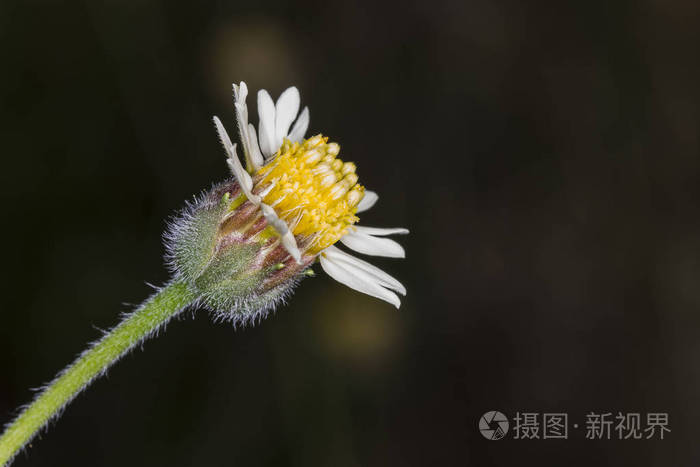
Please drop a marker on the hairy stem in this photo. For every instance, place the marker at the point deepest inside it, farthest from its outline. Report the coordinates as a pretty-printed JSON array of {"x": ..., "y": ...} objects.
[{"x": 136, "y": 327}]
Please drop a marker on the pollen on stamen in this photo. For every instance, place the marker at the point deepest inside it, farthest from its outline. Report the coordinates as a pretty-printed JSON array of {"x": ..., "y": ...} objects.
[{"x": 313, "y": 191}]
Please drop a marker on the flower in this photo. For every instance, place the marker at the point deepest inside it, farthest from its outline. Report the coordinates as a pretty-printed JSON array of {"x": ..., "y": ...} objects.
[
  {"x": 307, "y": 195},
  {"x": 241, "y": 247}
]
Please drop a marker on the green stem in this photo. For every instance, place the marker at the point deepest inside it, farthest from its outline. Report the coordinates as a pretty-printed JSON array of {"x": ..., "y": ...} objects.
[{"x": 136, "y": 327}]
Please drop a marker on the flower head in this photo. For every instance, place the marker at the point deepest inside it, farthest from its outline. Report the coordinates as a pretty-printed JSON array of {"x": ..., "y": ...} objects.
[{"x": 293, "y": 201}]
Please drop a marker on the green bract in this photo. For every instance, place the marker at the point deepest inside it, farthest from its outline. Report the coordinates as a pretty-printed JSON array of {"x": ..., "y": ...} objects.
[{"x": 223, "y": 248}]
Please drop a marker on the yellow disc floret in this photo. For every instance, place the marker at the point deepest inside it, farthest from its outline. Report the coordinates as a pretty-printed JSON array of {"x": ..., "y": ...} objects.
[{"x": 313, "y": 191}]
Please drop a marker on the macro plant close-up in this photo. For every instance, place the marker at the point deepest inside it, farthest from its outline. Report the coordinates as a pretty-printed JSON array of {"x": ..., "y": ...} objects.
[
  {"x": 302, "y": 233},
  {"x": 240, "y": 248}
]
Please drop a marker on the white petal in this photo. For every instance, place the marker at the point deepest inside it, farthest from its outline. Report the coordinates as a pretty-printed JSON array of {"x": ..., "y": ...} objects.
[
  {"x": 370, "y": 245},
  {"x": 290, "y": 244},
  {"x": 235, "y": 164},
  {"x": 266, "y": 113},
  {"x": 273, "y": 219},
  {"x": 367, "y": 201},
  {"x": 255, "y": 154},
  {"x": 358, "y": 280},
  {"x": 242, "y": 118},
  {"x": 300, "y": 126},
  {"x": 242, "y": 176},
  {"x": 379, "y": 231},
  {"x": 223, "y": 135},
  {"x": 286, "y": 111},
  {"x": 339, "y": 256},
  {"x": 240, "y": 92},
  {"x": 282, "y": 229}
]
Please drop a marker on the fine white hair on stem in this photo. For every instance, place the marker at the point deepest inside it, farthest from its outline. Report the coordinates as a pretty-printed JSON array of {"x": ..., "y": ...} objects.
[{"x": 134, "y": 328}]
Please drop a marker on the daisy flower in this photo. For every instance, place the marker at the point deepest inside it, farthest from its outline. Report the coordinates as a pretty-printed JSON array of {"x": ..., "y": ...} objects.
[{"x": 308, "y": 195}]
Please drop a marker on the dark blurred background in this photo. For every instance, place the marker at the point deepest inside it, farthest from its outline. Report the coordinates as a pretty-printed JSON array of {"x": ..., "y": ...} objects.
[{"x": 545, "y": 156}]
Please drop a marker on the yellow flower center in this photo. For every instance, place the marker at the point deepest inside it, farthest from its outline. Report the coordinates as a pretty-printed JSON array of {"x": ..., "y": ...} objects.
[{"x": 313, "y": 191}]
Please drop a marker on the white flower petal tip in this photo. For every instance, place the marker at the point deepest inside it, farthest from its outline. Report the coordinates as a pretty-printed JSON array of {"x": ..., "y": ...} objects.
[
  {"x": 367, "y": 201},
  {"x": 380, "y": 231},
  {"x": 370, "y": 245},
  {"x": 240, "y": 92},
  {"x": 286, "y": 110},
  {"x": 223, "y": 135},
  {"x": 296, "y": 135},
  {"x": 357, "y": 279},
  {"x": 290, "y": 244}
]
